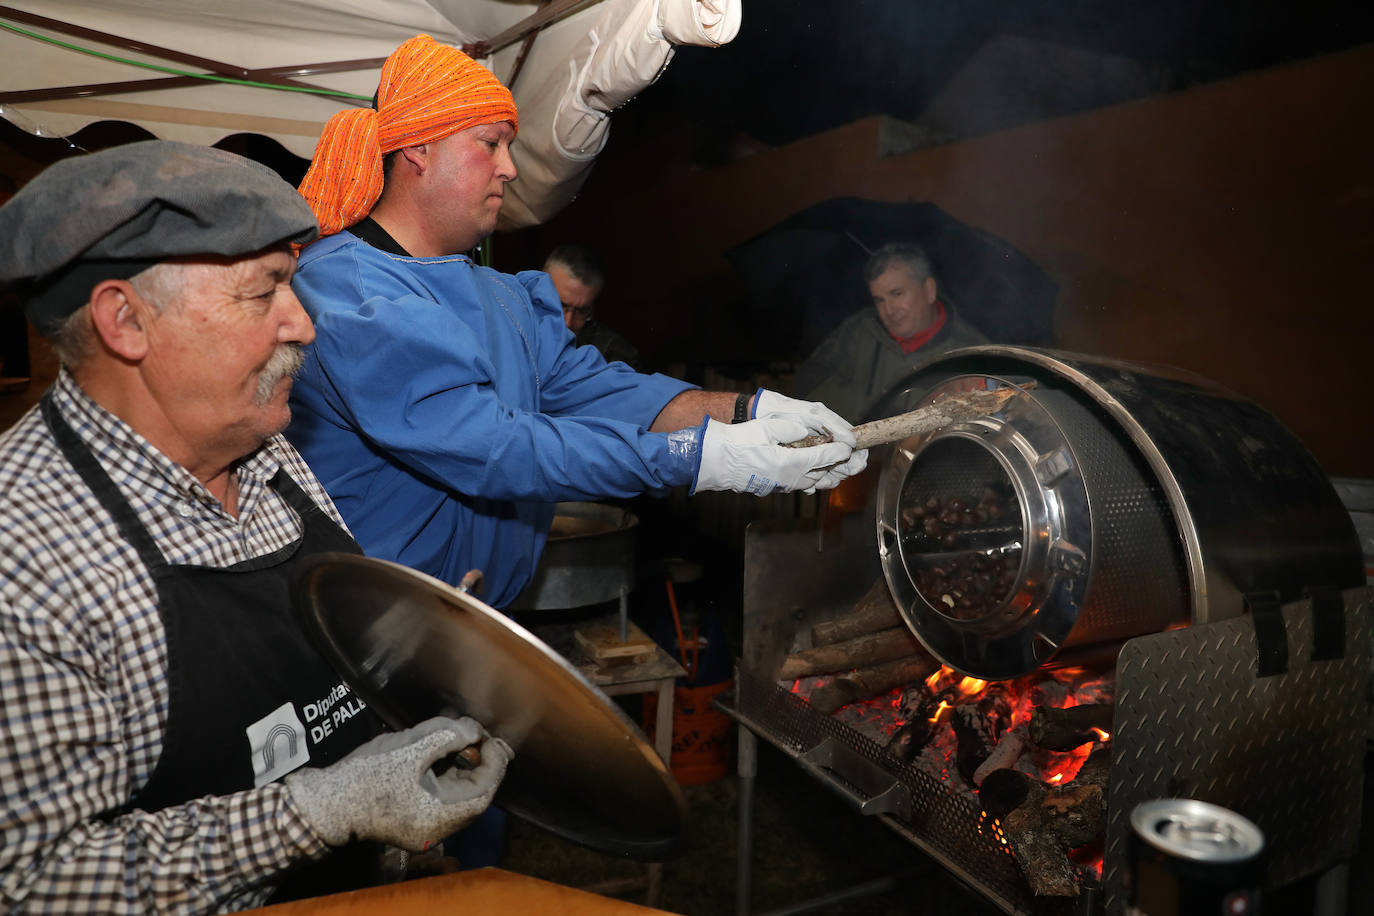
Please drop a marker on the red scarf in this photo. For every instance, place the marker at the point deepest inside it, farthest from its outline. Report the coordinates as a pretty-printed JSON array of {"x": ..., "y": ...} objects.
[{"x": 921, "y": 338}]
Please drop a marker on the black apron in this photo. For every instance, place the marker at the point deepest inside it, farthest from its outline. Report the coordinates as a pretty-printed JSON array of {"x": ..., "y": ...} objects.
[{"x": 249, "y": 697}]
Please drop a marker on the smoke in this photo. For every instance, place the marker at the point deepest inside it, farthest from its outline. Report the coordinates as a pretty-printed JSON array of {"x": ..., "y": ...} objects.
[{"x": 285, "y": 363}]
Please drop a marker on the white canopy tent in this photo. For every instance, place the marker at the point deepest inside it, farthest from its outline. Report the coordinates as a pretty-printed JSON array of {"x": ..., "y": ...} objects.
[{"x": 569, "y": 64}]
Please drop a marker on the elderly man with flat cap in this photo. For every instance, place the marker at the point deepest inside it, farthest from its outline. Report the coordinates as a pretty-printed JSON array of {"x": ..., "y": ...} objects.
[
  {"x": 445, "y": 406},
  {"x": 154, "y": 747}
]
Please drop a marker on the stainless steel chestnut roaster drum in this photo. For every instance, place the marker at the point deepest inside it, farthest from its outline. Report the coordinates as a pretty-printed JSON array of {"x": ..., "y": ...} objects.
[{"x": 1105, "y": 501}]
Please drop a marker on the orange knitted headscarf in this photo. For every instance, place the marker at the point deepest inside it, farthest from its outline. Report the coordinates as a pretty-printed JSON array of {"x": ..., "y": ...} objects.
[{"x": 427, "y": 91}]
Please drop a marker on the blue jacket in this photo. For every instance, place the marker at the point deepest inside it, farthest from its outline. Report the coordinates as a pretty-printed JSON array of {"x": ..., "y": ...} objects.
[{"x": 446, "y": 409}]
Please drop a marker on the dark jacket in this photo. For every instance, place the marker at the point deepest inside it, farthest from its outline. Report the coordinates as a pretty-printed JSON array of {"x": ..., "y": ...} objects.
[
  {"x": 613, "y": 346},
  {"x": 860, "y": 361}
]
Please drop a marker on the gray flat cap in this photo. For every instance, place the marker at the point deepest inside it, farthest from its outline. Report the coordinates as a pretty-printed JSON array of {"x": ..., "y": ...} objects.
[{"x": 111, "y": 214}]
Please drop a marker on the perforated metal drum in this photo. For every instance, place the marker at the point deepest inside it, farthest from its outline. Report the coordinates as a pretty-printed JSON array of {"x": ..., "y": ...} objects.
[
  {"x": 1007, "y": 538},
  {"x": 1102, "y": 503}
]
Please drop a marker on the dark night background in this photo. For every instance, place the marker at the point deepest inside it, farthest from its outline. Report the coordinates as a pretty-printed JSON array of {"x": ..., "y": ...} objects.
[
  {"x": 799, "y": 67},
  {"x": 802, "y": 67}
]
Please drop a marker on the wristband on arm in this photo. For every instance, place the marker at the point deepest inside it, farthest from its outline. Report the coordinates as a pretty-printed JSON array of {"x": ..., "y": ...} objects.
[{"x": 742, "y": 408}]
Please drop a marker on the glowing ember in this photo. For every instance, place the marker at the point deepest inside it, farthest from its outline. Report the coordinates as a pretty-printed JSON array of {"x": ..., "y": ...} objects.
[
  {"x": 1089, "y": 858},
  {"x": 1002, "y": 707},
  {"x": 1067, "y": 764},
  {"x": 991, "y": 825},
  {"x": 965, "y": 733}
]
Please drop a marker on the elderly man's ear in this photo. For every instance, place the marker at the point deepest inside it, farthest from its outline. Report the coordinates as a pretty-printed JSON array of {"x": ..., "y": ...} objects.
[{"x": 119, "y": 316}]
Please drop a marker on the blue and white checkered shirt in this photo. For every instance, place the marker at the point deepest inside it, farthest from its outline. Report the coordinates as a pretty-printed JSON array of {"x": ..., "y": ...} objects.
[{"x": 83, "y": 691}]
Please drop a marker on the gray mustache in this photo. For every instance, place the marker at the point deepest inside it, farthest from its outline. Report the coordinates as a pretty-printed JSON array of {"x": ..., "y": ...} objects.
[{"x": 285, "y": 363}]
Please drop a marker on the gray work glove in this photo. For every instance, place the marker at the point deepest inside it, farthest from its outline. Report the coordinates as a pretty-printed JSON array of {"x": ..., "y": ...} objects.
[
  {"x": 386, "y": 790},
  {"x": 820, "y": 420},
  {"x": 749, "y": 458}
]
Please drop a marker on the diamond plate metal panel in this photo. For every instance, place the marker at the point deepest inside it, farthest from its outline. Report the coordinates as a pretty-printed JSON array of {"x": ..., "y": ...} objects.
[{"x": 1193, "y": 720}]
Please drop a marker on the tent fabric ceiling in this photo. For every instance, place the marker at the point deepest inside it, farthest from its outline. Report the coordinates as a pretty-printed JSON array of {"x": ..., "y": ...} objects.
[{"x": 577, "y": 71}]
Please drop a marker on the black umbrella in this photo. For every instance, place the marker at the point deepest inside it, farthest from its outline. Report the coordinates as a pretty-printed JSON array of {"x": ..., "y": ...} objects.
[{"x": 805, "y": 275}]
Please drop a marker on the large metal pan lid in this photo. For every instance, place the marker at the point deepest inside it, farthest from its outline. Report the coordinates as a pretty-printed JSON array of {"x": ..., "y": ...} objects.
[{"x": 414, "y": 647}]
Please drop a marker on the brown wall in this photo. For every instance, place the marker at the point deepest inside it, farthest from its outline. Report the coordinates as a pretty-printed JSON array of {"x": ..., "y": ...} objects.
[{"x": 1228, "y": 230}]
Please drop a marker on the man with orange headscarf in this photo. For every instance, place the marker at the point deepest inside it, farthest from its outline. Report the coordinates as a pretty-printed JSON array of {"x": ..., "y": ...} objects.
[{"x": 445, "y": 405}]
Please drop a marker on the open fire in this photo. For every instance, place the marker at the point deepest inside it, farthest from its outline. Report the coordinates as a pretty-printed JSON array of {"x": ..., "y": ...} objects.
[{"x": 1031, "y": 753}]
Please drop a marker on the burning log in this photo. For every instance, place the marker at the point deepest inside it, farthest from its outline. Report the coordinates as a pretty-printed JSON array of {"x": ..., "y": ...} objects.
[
  {"x": 1042, "y": 823},
  {"x": 978, "y": 727},
  {"x": 875, "y": 611},
  {"x": 866, "y": 683},
  {"x": 917, "y": 697},
  {"x": 975, "y": 741},
  {"x": 1065, "y": 729},
  {"x": 1095, "y": 691},
  {"x": 909, "y": 740},
  {"x": 920, "y": 707},
  {"x": 862, "y": 651},
  {"x": 1003, "y": 791},
  {"x": 1003, "y": 756},
  {"x": 1096, "y": 769},
  {"x": 1050, "y": 692}
]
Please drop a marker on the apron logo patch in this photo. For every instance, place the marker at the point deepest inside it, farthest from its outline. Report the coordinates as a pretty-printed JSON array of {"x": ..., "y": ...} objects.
[
  {"x": 332, "y": 711},
  {"x": 277, "y": 743}
]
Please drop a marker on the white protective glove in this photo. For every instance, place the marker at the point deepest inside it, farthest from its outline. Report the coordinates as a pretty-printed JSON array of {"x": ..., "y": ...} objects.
[
  {"x": 386, "y": 790},
  {"x": 819, "y": 419},
  {"x": 749, "y": 458}
]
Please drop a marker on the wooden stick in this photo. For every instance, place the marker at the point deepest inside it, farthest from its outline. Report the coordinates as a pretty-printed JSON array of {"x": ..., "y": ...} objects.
[
  {"x": 946, "y": 409},
  {"x": 1042, "y": 823},
  {"x": 866, "y": 683},
  {"x": 875, "y": 611},
  {"x": 1065, "y": 729},
  {"x": 1003, "y": 756},
  {"x": 869, "y": 649}
]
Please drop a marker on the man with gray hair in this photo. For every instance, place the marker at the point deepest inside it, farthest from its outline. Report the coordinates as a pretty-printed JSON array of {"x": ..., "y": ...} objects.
[
  {"x": 153, "y": 755},
  {"x": 908, "y": 326}
]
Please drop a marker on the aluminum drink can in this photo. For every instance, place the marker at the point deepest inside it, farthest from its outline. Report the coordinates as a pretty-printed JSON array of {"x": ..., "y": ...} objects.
[{"x": 1192, "y": 858}]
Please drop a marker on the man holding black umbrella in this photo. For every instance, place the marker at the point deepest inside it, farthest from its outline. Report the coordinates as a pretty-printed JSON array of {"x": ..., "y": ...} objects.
[{"x": 873, "y": 349}]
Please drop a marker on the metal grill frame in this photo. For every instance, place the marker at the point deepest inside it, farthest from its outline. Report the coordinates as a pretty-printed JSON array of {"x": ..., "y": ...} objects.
[
  {"x": 795, "y": 575},
  {"x": 945, "y": 825},
  {"x": 1176, "y": 691}
]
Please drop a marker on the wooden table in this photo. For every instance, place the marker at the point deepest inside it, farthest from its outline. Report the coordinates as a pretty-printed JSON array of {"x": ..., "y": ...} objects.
[
  {"x": 482, "y": 892},
  {"x": 658, "y": 674}
]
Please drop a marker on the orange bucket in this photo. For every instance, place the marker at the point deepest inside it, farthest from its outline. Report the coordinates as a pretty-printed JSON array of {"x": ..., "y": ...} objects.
[{"x": 701, "y": 733}]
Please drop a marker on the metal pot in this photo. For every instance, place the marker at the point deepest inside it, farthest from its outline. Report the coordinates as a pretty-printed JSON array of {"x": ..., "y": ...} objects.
[
  {"x": 589, "y": 558},
  {"x": 1109, "y": 501}
]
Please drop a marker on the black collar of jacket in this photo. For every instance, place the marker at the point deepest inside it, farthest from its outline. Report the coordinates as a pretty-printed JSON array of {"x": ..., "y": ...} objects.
[{"x": 368, "y": 230}]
